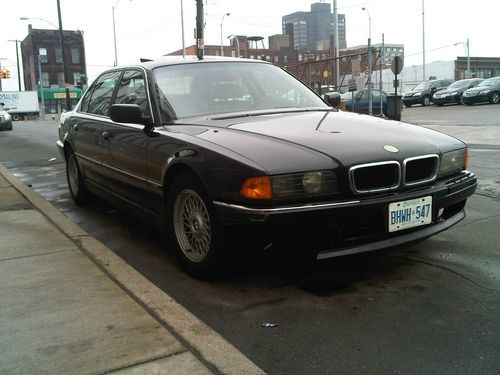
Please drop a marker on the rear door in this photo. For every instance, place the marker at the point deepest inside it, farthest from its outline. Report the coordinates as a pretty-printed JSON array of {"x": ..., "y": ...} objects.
[
  {"x": 125, "y": 146},
  {"x": 87, "y": 124}
]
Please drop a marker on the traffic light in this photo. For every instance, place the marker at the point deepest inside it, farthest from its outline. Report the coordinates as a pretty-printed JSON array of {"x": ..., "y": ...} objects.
[
  {"x": 2, "y": 74},
  {"x": 7, "y": 73},
  {"x": 366, "y": 69}
]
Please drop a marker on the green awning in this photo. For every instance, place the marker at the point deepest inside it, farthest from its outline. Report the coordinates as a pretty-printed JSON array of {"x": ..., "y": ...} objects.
[{"x": 60, "y": 94}]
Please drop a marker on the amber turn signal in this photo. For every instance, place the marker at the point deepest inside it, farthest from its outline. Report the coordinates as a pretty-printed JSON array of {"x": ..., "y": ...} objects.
[
  {"x": 257, "y": 188},
  {"x": 466, "y": 158}
]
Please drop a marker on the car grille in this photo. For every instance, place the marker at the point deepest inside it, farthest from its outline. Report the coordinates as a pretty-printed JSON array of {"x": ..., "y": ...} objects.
[
  {"x": 1, "y": 118},
  {"x": 420, "y": 169},
  {"x": 375, "y": 177},
  {"x": 383, "y": 176}
]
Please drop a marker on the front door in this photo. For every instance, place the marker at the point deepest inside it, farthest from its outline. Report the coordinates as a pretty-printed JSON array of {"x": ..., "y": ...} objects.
[{"x": 125, "y": 151}]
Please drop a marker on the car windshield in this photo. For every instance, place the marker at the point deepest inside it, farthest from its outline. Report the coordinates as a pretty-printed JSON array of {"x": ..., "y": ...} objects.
[
  {"x": 206, "y": 88},
  {"x": 423, "y": 86},
  {"x": 490, "y": 82},
  {"x": 459, "y": 84}
]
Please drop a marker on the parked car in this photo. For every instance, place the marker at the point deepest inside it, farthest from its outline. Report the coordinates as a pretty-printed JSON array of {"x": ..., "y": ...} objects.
[
  {"x": 422, "y": 94},
  {"x": 225, "y": 153},
  {"x": 453, "y": 93},
  {"x": 486, "y": 91},
  {"x": 5, "y": 119},
  {"x": 360, "y": 102}
]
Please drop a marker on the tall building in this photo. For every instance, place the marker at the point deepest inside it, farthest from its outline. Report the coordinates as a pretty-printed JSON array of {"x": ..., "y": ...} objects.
[
  {"x": 44, "y": 47},
  {"x": 313, "y": 30}
]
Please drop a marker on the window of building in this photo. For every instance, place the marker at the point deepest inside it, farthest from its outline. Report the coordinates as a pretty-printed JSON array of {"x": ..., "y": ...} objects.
[
  {"x": 42, "y": 52},
  {"x": 58, "y": 55},
  {"x": 101, "y": 95},
  {"x": 300, "y": 56},
  {"x": 276, "y": 59},
  {"x": 76, "y": 78},
  {"x": 268, "y": 58},
  {"x": 45, "y": 79},
  {"x": 75, "y": 56},
  {"x": 60, "y": 79},
  {"x": 285, "y": 59}
]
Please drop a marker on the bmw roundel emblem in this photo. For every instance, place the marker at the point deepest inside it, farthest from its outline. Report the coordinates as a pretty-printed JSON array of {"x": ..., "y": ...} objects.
[{"x": 390, "y": 148}]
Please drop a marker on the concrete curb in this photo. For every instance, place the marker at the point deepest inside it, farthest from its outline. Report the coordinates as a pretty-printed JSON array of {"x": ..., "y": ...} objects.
[{"x": 211, "y": 347}]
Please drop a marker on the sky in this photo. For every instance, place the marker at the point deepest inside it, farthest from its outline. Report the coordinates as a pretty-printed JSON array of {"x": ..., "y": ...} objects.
[{"x": 151, "y": 28}]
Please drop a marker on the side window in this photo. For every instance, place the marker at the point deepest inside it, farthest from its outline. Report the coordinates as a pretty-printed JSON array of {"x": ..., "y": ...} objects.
[
  {"x": 103, "y": 91},
  {"x": 86, "y": 99},
  {"x": 132, "y": 90}
]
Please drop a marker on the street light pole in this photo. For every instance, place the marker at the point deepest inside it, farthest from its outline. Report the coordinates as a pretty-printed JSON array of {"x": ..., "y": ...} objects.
[
  {"x": 17, "y": 59},
  {"x": 65, "y": 70},
  {"x": 113, "y": 7},
  {"x": 469, "y": 75},
  {"x": 221, "y": 45},
  {"x": 370, "y": 104},
  {"x": 42, "y": 112},
  {"x": 423, "y": 42},
  {"x": 336, "y": 45}
]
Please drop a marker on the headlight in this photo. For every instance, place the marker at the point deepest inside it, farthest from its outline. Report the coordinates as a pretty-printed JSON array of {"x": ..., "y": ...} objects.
[
  {"x": 485, "y": 91},
  {"x": 308, "y": 184},
  {"x": 6, "y": 116},
  {"x": 453, "y": 161},
  {"x": 418, "y": 93},
  {"x": 452, "y": 93}
]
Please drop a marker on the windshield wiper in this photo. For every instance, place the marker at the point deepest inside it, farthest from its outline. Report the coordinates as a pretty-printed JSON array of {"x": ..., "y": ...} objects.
[{"x": 272, "y": 111}]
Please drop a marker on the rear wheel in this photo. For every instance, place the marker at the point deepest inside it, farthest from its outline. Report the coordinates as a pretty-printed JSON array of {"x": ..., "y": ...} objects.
[
  {"x": 194, "y": 229},
  {"x": 76, "y": 185},
  {"x": 494, "y": 98},
  {"x": 407, "y": 105},
  {"x": 17, "y": 117},
  {"x": 426, "y": 100}
]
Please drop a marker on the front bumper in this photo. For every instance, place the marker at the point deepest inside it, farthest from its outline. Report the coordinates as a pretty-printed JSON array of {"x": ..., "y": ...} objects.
[
  {"x": 412, "y": 99},
  {"x": 476, "y": 99},
  {"x": 351, "y": 226},
  {"x": 6, "y": 125},
  {"x": 444, "y": 100}
]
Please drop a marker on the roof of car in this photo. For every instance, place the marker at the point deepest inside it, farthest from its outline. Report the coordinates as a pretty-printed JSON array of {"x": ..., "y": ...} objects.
[{"x": 176, "y": 60}]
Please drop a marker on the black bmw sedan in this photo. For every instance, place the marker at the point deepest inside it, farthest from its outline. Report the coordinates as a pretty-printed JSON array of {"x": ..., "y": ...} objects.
[
  {"x": 453, "y": 93},
  {"x": 486, "y": 91},
  {"x": 224, "y": 153}
]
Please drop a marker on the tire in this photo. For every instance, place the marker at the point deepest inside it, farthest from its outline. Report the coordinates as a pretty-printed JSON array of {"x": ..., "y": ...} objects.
[
  {"x": 408, "y": 105},
  {"x": 76, "y": 185},
  {"x": 17, "y": 117},
  {"x": 495, "y": 98},
  {"x": 10, "y": 126},
  {"x": 194, "y": 229},
  {"x": 440, "y": 104},
  {"x": 426, "y": 100}
]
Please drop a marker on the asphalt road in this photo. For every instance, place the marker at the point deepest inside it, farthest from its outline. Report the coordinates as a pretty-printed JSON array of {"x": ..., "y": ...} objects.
[{"x": 429, "y": 308}]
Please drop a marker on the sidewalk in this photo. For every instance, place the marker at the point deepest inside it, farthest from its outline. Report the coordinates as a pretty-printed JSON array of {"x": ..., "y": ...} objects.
[{"x": 71, "y": 306}]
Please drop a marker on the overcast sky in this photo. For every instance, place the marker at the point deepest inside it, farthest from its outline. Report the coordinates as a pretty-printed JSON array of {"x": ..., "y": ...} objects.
[{"x": 150, "y": 28}]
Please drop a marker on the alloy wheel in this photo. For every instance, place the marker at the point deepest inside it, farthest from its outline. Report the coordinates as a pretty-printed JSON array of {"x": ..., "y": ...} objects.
[
  {"x": 192, "y": 226},
  {"x": 73, "y": 175}
]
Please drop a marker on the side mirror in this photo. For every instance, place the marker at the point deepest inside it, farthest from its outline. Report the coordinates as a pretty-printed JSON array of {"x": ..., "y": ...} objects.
[
  {"x": 128, "y": 114},
  {"x": 332, "y": 98}
]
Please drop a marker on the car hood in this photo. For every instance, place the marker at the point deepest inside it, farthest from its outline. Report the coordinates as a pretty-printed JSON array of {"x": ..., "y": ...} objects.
[
  {"x": 448, "y": 91},
  {"x": 480, "y": 88},
  {"x": 344, "y": 138}
]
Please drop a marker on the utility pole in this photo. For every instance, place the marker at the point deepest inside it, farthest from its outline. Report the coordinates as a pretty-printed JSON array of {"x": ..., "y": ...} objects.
[
  {"x": 182, "y": 26},
  {"x": 336, "y": 45},
  {"x": 200, "y": 43},
  {"x": 423, "y": 43},
  {"x": 68, "y": 103},
  {"x": 468, "y": 75},
  {"x": 382, "y": 63},
  {"x": 1, "y": 58},
  {"x": 17, "y": 59}
]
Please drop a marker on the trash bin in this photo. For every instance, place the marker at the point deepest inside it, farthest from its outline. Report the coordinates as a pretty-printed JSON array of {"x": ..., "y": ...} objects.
[{"x": 394, "y": 106}]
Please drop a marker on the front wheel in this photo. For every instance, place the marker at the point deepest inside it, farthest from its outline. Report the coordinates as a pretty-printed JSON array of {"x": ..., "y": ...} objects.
[
  {"x": 76, "y": 185},
  {"x": 194, "y": 228},
  {"x": 494, "y": 98},
  {"x": 426, "y": 100}
]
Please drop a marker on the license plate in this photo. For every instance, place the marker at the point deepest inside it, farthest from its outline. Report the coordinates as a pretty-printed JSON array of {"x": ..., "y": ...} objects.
[{"x": 410, "y": 213}]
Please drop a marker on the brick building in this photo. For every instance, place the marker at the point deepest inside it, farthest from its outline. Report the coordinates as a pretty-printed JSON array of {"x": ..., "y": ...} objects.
[{"x": 45, "y": 46}]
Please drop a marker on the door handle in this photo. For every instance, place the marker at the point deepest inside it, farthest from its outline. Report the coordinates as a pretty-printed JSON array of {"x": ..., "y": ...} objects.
[
  {"x": 105, "y": 135},
  {"x": 75, "y": 127}
]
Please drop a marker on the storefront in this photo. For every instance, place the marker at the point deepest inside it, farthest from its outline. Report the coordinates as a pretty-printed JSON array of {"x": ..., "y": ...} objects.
[{"x": 55, "y": 99}]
